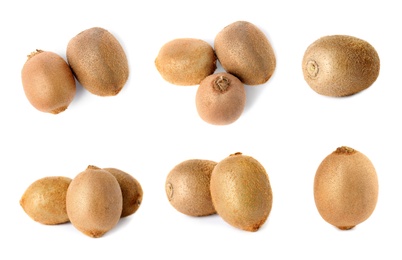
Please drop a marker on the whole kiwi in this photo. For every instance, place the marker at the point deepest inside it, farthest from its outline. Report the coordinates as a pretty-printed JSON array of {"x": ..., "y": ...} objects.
[
  {"x": 48, "y": 82},
  {"x": 45, "y": 200},
  {"x": 340, "y": 65},
  {"x": 244, "y": 51},
  {"x": 185, "y": 61},
  {"x": 187, "y": 187},
  {"x": 131, "y": 190},
  {"x": 241, "y": 192},
  {"x": 98, "y": 61},
  {"x": 220, "y": 99},
  {"x": 94, "y": 201},
  {"x": 345, "y": 188}
]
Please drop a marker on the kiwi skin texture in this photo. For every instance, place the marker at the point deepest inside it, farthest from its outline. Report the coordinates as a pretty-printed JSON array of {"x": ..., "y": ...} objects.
[
  {"x": 220, "y": 99},
  {"x": 185, "y": 61},
  {"x": 345, "y": 188},
  {"x": 98, "y": 61},
  {"x": 245, "y": 52},
  {"x": 187, "y": 187},
  {"x": 45, "y": 200},
  {"x": 48, "y": 82},
  {"x": 241, "y": 192},
  {"x": 131, "y": 190},
  {"x": 340, "y": 65},
  {"x": 94, "y": 202}
]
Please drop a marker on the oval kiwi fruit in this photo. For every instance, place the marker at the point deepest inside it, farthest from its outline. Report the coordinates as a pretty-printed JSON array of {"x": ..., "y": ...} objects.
[
  {"x": 340, "y": 65},
  {"x": 48, "y": 82},
  {"x": 98, "y": 61},
  {"x": 241, "y": 192},
  {"x": 187, "y": 187},
  {"x": 345, "y": 188},
  {"x": 220, "y": 99},
  {"x": 185, "y": 61},
  {"x": 45, "y": 200},
  {"x": 94, "y": 201},
  {"x": 131, "y": 190},
  {"x": 244, "y": 51}
]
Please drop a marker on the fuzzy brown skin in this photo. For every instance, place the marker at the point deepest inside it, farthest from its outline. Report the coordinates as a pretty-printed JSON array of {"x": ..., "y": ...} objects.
[
  {"x": 98, "y": 61},
  {"x": 187, "y": 187},
  {"x": 45, "y": 200},
  {"x": 244, "y": 51},
  {"x": 241, "y": 192},
  {"x": 94, "y": 202},
  {"x": 220, "y": 99},
  {"x": 345, "y": 188},
  {"x": 48, "y": 82},
  {"x": 186, "y": 61},
  {"x": 131, "y": 190},
  {"x": 340, "y": 65}
]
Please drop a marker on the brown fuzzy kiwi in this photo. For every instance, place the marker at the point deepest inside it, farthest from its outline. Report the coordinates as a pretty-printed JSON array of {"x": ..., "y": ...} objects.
[
  {"x": 241, "y": 192},
  {"x": 45, "y": 200},
  {"x": 98, "y": 61},
  {"x": 220, "y": 99},
  {"x": 94, "y": 201},
  {"x": 340, "y": 65},
  {"x": 186, "y": 61},
  {"x": 48, "y": 82},
  {"x": 187, "y": 187},
  {"x": 244, "y": 51},
  {"x": 345, "y": 188},
  {"x": 131, "y": 190}
]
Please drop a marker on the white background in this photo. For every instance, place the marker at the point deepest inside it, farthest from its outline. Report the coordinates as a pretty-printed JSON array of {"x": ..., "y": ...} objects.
[{"x": 151, "y": 126}]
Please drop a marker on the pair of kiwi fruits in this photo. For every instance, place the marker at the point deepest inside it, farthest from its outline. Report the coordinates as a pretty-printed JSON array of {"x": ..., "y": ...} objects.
[
  {"x": 93, "y": 201},
  {"x": 237, "y": 188},
  {"x": 94, "y": 57}
]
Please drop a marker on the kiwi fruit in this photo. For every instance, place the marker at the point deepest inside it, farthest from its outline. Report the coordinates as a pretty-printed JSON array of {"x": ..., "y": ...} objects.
[
  {"x": 48, "y": 82},
  {"x": 131, "y": 190},
  {"x": 245, "y": 52},
  {"x": 187, "y": 187},
  {"x": 345, "y": 188},
  {"x": 45, "y": 200},
  {"x": 340, "y": 65},
  {"x": 98, "y": 61},
  {"x": 241, "y": 192},
  {"x": 94, "y": 201},
  {"x": 185, "y": 61},
  {"x": 220, "y": 99}
]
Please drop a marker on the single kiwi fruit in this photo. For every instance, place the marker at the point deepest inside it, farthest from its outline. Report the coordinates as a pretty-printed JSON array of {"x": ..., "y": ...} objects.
[
  {"x": 98, "y": 61},
  {"x": 131, "y": 190},
  {"x": 185, "y": 61},
  {"x": 45, "y": 200},
  {"x": 187, "y": 187},
  {"x": 345, "y": 188},
  {"x": 340, "y": 65},
  {"x": 245, "y": 51},
  {"x": 241, "y": 192},
  {"x": 220, "y": 99},
  {"x": 48, "y": 82},
  {"x": 94, "y": 201}
]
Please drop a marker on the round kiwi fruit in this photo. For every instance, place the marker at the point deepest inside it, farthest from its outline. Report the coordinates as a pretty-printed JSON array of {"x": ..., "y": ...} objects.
[
  {"x": 185, "y": 61},
  {"x": 98, "y": 61},
  {"x": 220, "y": 99},
  {"x": 345, "y": 188},
  {"x": 187, "y": 187},
  {"x": 245, "y": 52},
  {"x": 131, "y": 190},
  {"x": 45, "y": 200},
  {"x": 48, "y": 82},
  {"x": 241, "y": 192},
  {"x": 340, "y": 65},
  {"x": 94, "y": 201}
]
